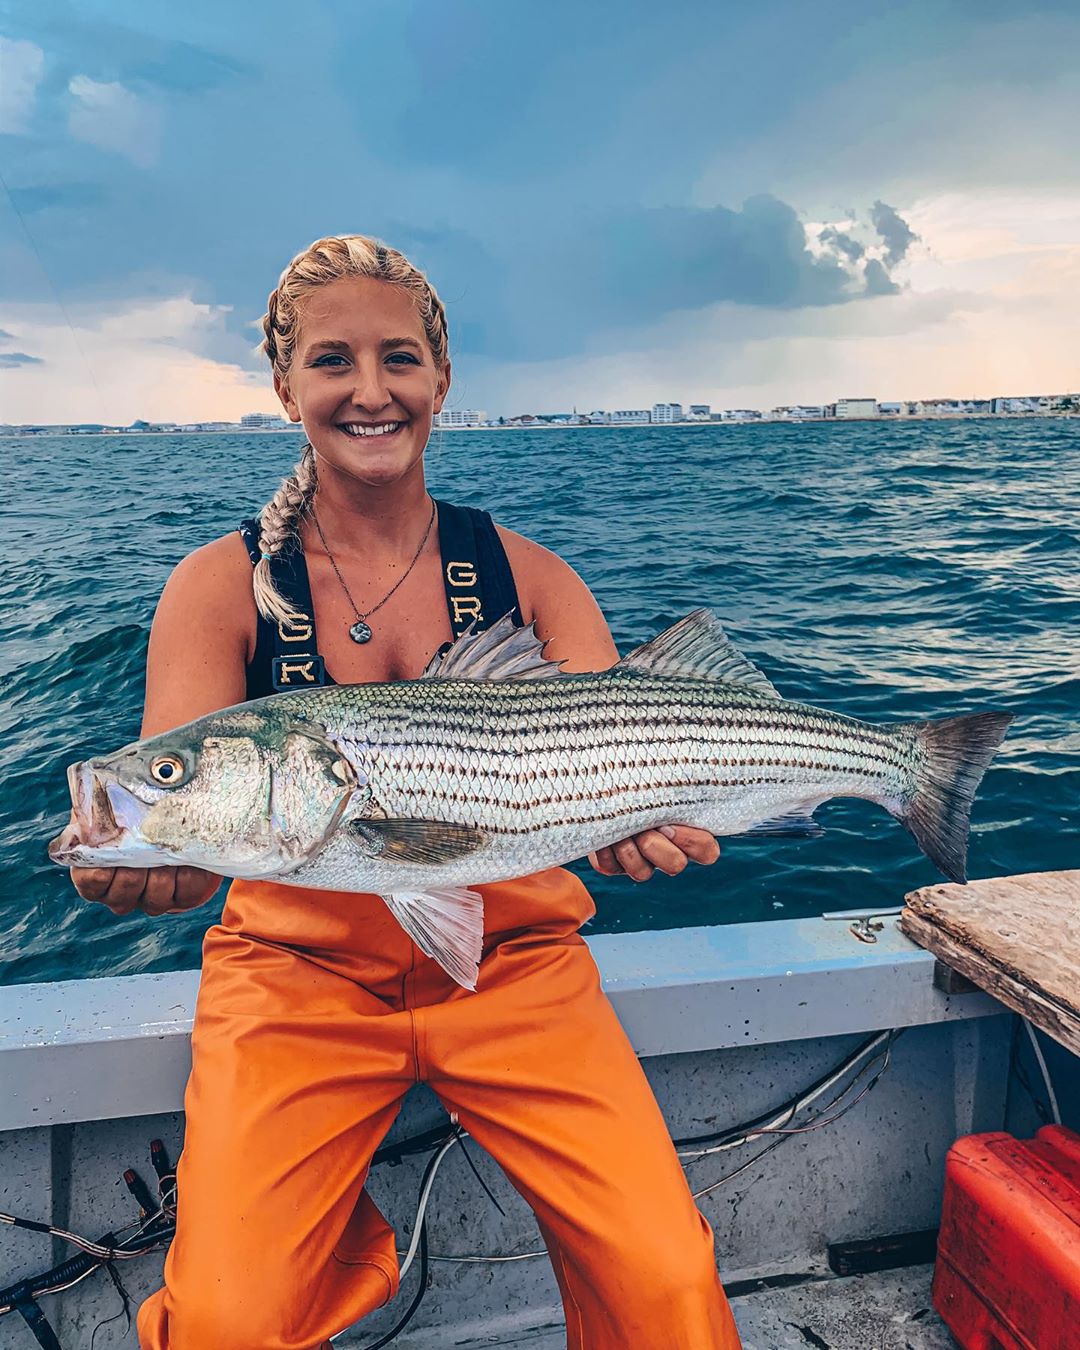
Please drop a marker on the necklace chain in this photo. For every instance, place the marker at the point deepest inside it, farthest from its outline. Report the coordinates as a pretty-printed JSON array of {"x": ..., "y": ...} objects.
[{"x": 360, "y": 631}]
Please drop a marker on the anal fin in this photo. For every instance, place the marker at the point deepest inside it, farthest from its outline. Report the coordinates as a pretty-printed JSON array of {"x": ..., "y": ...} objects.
[
  {"x": 447, "y": 925},
  {"x": 795, "y": 825}
]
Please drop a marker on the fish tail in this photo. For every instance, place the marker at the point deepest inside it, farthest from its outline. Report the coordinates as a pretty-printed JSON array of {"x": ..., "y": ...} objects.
[{"x": 955, "y": 755}]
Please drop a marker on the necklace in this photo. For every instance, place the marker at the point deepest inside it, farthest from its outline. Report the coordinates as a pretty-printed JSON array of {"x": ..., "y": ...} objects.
[{"x": 360, "y": 631}]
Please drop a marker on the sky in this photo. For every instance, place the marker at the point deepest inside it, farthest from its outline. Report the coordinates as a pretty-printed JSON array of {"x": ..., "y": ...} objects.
[{"x": 741, "y": 204}]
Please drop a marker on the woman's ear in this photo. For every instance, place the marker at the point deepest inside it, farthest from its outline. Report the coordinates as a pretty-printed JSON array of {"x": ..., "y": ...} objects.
[
  {"x": 442, "y": 388},
  {"x": 281, "y": 388}
]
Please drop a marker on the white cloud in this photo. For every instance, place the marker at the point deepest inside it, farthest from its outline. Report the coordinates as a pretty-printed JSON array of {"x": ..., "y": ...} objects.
[
  {"x": 22, "y": 65},
  {"x": 143, "y": 359},
  {"x": 111, "y": 117}
]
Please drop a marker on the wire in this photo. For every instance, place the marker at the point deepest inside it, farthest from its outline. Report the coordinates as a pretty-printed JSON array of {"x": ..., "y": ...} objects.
[
  {"x": 774, "y": 1120},
  {"x": 425, "y": 1193},
  {"x": 1055, "y": 1110},
  {"x": 419, "y": 1242},
  {"x": 817, "y": 1123}
]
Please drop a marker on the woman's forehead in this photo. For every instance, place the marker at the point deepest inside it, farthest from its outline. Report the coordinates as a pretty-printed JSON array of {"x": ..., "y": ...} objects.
[{"x": 358, "y": 307}]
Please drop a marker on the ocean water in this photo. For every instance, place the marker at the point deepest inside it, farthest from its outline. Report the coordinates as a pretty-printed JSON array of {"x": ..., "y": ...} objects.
[{"x": 885, "y": 571}]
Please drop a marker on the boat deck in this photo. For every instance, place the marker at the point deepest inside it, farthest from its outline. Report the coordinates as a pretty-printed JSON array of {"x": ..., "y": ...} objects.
[{"x": 890, "y": 1310}]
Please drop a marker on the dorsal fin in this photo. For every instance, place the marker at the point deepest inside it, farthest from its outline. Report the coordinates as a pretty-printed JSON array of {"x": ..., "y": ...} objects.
[
  {"x": 502, "y": 652},
  {"x": 697, "y": 648}
]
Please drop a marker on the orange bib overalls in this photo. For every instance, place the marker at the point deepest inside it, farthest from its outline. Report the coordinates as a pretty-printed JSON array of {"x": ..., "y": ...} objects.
[{"x": 315, "y": 1016}]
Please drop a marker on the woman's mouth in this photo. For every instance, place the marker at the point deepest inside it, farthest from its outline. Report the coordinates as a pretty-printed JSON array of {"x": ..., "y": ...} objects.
[{"x": 358, "y": 430}]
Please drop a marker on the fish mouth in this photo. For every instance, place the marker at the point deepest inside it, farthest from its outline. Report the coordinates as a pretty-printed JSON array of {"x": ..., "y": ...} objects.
[{"x": 93, "y": 834}]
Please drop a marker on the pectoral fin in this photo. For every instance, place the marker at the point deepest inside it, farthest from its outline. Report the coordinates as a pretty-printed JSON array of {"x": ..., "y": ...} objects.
[
  {"x": 416, "y": 841},
  {"x": 447, "y": 925}
]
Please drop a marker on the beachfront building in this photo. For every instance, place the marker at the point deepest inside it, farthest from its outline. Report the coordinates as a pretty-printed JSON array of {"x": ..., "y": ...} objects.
[
  {"x": 699, "y": 412},
  {"x": 626, "y": 416},
  {"x": 798, "y": 412},
  {"x": 667, "y": 412},
  {"x": 737, "y": 415},
  {"x": 849, "y": 408},
  {"x": 459, "y": 417},
  {"x": 263, "y": 422}
]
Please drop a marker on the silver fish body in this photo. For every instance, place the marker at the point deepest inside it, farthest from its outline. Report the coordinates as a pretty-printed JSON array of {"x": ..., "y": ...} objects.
[{"x": 494, "y": 764}]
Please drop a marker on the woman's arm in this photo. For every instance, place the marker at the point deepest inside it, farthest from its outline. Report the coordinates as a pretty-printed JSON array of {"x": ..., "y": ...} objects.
[
  {"x": 203, "y": 632},
  {"x": 569, "y": 619}
]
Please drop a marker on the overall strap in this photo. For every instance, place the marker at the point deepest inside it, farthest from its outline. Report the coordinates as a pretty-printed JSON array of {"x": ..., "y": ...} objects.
[
  {"x": 476, "y": 572},
  {"x": 286, "y": 655}
]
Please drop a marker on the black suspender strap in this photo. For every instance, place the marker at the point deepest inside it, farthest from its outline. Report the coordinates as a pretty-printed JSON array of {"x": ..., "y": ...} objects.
[
  {"x": 476, "y": 573},
  {"x": 294, "y": 660},
  {"x": 477, "y": 579}
]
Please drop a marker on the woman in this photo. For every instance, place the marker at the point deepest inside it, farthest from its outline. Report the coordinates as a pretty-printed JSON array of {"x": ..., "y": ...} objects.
[{"x": 316, "y": 1013}]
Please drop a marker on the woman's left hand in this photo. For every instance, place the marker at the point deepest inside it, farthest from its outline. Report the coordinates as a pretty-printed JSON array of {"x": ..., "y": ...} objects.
[{"x": 669, "y": 848}]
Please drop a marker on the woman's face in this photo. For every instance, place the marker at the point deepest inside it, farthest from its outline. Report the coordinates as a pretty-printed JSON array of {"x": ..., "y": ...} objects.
[{"x": 363, "y": 380}]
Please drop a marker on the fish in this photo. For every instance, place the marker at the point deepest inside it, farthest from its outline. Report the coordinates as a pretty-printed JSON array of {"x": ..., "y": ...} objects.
[{"x": 495, "y": 763}]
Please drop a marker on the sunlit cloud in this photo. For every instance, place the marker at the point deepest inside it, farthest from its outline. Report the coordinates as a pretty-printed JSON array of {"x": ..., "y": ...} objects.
[{"x": 146, "y": 359}]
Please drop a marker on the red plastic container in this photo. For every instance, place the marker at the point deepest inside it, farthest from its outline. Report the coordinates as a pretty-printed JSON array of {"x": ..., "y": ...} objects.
[{"x": 1008, "y": 1262}]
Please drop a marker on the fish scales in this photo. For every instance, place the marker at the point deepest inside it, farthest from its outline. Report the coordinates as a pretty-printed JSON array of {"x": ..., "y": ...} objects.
[
  {"x": 494, "y": 765},
  {"x": 546, "y": 766}
]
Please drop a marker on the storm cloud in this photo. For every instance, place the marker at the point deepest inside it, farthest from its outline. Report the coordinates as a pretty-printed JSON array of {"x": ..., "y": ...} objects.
[{"x": 896, "y": 234}]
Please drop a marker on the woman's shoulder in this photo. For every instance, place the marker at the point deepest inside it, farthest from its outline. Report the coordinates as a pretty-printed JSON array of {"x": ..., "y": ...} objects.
[
  {"x": 214, "y": 579},
  {"x": 551, "y": 594},
  {"x": 222, "y": 561},
  {"x": 535, "y": 566}
]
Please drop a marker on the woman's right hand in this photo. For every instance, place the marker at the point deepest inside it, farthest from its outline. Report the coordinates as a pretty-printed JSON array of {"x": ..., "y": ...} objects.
[{"x": 154, "y": 890}]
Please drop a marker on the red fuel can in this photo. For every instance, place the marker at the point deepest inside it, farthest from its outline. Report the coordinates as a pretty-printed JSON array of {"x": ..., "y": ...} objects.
[{"x": 1008, "y": 1260}]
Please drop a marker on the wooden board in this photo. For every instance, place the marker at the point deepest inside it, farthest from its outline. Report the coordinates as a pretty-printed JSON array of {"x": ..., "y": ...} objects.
[{"x": 1016, "y": 937}]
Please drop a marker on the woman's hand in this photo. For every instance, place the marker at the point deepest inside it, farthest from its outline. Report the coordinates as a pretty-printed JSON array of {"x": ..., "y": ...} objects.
[
  {"x": 669, "y": 848},
  {"x": 154, "y": 890}
]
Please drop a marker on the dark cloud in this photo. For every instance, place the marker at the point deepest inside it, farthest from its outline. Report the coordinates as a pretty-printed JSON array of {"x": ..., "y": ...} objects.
[
  {"x": 895, "y": 233},
  {"x": 13, "y": 360},
  {"x": 41, "y": 196},
  {"x": 842, "y": 243},
  {"x": 878, "y": 281}
]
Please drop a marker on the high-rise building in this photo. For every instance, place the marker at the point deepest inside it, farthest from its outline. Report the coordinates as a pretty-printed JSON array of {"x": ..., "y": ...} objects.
[
  {"x": 667, "y": 412},
  {"x": 459, "y": 417}
]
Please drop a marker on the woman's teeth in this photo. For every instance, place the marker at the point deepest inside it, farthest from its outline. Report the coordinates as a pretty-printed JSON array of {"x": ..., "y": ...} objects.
[{"x": 366, "y": 429}]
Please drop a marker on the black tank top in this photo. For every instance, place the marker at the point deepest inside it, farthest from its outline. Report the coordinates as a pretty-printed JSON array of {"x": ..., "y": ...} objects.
[{"x": 476, "y": 576}]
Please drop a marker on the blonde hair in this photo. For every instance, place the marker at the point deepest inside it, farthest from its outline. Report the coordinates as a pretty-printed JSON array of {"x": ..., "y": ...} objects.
[{"x": 326, "y": 260}]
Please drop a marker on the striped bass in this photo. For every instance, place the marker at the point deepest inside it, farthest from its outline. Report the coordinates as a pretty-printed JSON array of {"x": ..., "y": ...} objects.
[{"x": 495, "y": 764}]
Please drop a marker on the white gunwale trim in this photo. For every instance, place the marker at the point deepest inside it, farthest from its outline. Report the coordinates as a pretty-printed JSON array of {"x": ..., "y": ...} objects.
[{"x": 100, "y": 1049}]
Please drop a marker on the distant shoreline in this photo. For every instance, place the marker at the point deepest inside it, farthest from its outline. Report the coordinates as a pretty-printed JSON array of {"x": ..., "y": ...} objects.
[{"x": 593, "y": 426}]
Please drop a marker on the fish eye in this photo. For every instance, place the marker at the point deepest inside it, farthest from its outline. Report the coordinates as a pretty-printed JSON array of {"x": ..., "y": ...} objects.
[{"x": 167, "y": 770}]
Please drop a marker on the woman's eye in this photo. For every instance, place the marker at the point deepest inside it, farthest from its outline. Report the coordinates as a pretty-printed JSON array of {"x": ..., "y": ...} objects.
[
  {"x": 325, "y": 360},
  {"x": 403, "y": 356}
]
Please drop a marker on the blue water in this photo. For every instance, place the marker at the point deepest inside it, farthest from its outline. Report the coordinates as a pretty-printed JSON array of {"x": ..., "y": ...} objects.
[{"x": 885, "y": 571}]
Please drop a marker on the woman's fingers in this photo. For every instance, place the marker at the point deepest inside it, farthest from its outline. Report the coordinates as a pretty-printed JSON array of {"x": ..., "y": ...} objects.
[
  {"x": 668, "y": 848},
  {"x": 661, "y": 852},
  {"x": 157, "y": 896},
  {"x": 698, "y": 845},
  {"x": 630, "y": 859},
  {"x": 194, "y": 887},
  {"x": 92, "y": 883},
  {"x": 155, "y": 890}
]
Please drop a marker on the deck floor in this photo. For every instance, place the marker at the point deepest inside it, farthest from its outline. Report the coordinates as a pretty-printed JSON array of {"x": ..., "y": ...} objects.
[{"x": 887, "y": 1311}]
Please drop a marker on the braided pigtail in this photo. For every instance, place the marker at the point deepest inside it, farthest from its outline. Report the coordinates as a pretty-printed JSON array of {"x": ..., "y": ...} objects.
[{"x": 279, "y": 524}]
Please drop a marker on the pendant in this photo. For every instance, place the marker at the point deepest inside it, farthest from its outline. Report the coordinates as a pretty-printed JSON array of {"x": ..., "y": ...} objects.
[{"x": 360, "y": 632}]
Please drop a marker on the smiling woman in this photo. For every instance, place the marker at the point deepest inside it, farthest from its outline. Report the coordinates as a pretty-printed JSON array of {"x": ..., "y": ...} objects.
[{"x": 315, "y": 1014}]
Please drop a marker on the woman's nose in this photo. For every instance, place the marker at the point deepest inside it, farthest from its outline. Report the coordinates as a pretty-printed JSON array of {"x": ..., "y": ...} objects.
[{"x": 370, "y": 389}]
